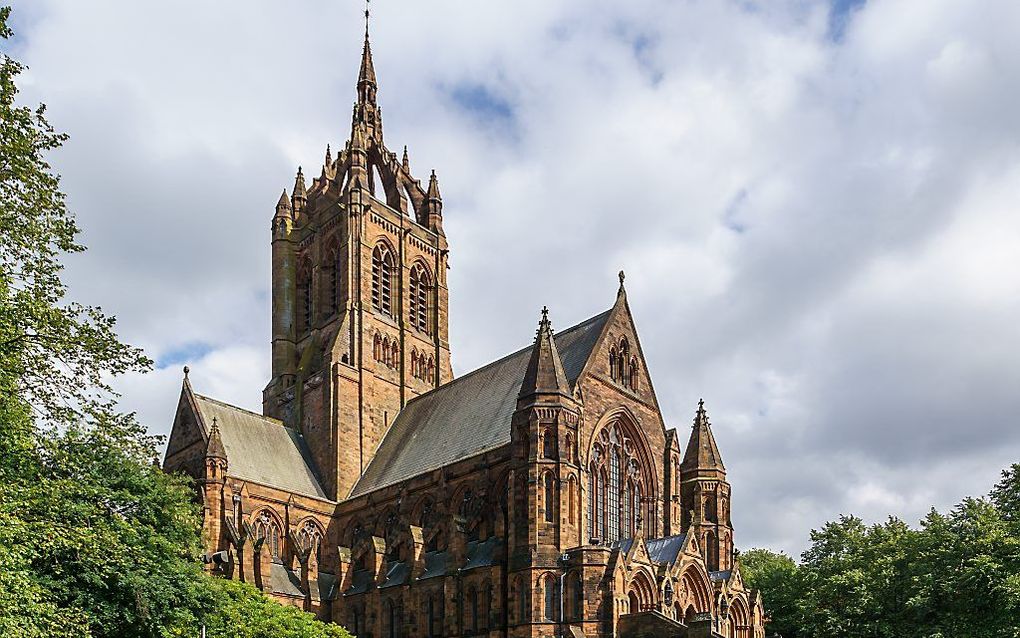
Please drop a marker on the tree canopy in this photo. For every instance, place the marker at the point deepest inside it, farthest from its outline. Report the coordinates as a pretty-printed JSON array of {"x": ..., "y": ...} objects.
[
  {"x": 956, "y": 574},
  {"x": 95, "y": 539}
]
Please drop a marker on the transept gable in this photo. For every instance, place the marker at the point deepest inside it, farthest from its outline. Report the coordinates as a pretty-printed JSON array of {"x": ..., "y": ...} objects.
[{"x": 617, "y": 363}]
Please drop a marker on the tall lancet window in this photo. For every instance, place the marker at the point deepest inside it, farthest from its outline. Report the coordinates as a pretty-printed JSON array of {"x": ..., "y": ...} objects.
[
  {"x": 382, "y": 279},
  {"x": 419, "y": 293}
]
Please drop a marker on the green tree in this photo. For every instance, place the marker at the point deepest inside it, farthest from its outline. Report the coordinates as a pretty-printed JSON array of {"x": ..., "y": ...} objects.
[
  {"x": 776, "y": 576},
  {"x": 95, "y": 540}
]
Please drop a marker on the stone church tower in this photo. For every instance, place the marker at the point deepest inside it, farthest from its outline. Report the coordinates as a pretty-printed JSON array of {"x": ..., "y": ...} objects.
[
  {"x": 359, "y": 296},
  {"x": 541, "y": 495}
]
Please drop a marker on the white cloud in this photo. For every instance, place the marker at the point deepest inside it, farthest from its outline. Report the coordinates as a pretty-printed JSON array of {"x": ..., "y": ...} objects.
[{"x": 820, "y": 236}]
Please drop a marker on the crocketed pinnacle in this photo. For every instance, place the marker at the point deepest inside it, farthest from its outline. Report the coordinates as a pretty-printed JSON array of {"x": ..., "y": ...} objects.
[
  {"x": 433, "y": 186},
  {"x": 544, "y": 374},
  {"x": 299, "y": 185},
  {"x": 214, "y": 447},
  {"x": 702, "y": 452}
]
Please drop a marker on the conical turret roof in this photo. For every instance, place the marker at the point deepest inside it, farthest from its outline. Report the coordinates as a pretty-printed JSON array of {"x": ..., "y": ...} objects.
[
  {"x": 702, "y": 452},
  {"x": 544, "y": 374}
]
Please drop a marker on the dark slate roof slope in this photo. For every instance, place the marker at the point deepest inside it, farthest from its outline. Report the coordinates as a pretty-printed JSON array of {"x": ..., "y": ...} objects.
[
  {"x": 469, "y": 415},
  {"x": 261, "y": 449},
  {"x": 666, "y": 550}
]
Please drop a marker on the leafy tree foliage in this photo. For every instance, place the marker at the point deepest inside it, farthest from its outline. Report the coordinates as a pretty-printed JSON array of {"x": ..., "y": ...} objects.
[
  {"x": 95, "y": 540},
  {"x": 957, "y": 574}
]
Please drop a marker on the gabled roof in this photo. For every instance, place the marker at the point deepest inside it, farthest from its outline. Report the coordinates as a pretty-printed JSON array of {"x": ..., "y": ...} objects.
[
  {"x": 260, "y": 448},
  {"x": 469, "y": 415},
  {"x": 666, "y": 550}
]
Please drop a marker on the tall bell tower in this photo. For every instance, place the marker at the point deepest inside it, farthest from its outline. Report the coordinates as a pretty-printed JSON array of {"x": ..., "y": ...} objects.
[{"x": 359, "y": 295}]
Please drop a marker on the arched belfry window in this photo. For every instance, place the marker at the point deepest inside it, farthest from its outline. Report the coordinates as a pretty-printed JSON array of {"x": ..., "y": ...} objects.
[
  {"x": 632, "y": 373},
  {"x": 618, "y": 476},
  {"x": 613, "y": 358},
  {"x": 623, "y": 355},
  {"x": 304, "y": 290},
  {"x": 419, "y": 295},
  {"x": 383, "y": 271}
]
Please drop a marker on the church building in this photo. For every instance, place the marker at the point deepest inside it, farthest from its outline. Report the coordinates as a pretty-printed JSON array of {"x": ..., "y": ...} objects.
[{"x": 539, "y": 495}]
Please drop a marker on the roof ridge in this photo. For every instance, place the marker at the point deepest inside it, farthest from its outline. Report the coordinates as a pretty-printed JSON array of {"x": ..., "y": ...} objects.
[
  {"x": 515, "y": 353},
  {"x": 245, "y": 410}
]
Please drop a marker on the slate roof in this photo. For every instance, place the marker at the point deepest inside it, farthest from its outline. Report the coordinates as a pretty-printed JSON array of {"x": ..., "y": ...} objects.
[
  {"x": 262, "y": 449},
  {"x": 284, "y": 581},
  {"x": 469, "y": 415},
  {"x": 666, "y": 550}
]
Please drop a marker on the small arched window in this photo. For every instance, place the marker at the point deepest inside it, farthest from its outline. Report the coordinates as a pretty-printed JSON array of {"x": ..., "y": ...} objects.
[
  {"x": 549, "y": 443},
  {"x": 549, "y": 599},
  {"x": 621, "y": 361},
  {"x": 377, "y": 347},
  {"x": 632, "y": 380},
  {"x": 613, "y": 358},
  {"x": 578, "y": 591},
  {"x": 394, "y": 354},
  {"x": 382, "y": 279},
  {"x": 431, "y": 376},
  {"x": 414, "y": 362},
  {"x": 550, "y": 498},
  {"x": 394, "y": 618},
  {"x": 332, "y": 281},
  {"x": 472, "y": 609},
  {"x": 522, "y": 602},
  {"x": 571, "y": 499},
  {"x": 419, "y": 295}
]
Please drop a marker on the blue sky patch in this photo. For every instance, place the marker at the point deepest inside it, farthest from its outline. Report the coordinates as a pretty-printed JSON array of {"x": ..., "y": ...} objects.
[
  {"x": 840, "y": 15},
  {"x": 182, "y": 353},
  {"x": 482, "y": 102}
]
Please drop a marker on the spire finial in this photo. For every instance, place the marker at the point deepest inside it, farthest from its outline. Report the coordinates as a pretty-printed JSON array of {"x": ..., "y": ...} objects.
[
  {"x": 622, "y": 291},
  {"x": 366, "y": 19},
  {"x": 329, "y": 155},
  {"x": 186, "y": 371}
]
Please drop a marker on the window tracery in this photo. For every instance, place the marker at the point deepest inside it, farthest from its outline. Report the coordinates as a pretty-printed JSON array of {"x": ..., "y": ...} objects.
[
  {"x": 267, "y": 530},
  {"x": 420, "y": 289},
  {"x": 616, "y": 486},
  {"x": 382, "y": 279},
  {"x": 310, "y": 537}
]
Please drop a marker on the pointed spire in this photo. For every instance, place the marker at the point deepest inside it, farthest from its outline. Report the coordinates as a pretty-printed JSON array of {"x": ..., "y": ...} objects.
[
  {"x": 545, "y": 370},
  {"x": 702, "y": 452},
  {"x": 433, "y": 192},
  {"x": 299, "y": 185},
  {"x": 214, "y": 446},
  {"x": 405, "y": 162},
  {"x": 366, "y": 75},
  {"x": 329, "y": 156},
  {"x": 284, "y": 202}
]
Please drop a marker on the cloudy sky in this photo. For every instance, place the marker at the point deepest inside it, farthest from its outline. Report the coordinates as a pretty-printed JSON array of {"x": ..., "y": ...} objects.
[{"x": 817, "y": 206}]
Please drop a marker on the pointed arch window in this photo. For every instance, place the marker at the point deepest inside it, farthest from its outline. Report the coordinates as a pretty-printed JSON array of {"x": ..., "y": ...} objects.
[
  {"x": 304, "y": 290},
  {"x": 549, "y": 443},
  {"x": 616, "y": 479},
  {"x": 632, "y": 372},
  {"x": 522, "y": 599},
  {"x": 613, "y": 358},
  {"x": 267, "y": 530},
  {"x": 419, "y": 295},
  {"x": 550, "y": 497},
  {"x": 332, "y": 282},
  {"x": 310, "y": 537},
  {"x": 383, "y": 270},
  {"x": 549, "y": 597}
]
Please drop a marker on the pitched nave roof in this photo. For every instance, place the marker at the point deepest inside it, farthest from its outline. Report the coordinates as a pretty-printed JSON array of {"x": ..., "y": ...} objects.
[{"x": 469, "y": 415}]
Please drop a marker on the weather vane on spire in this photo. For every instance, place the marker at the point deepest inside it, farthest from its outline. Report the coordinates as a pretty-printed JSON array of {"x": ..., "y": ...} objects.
[{"x": 366, "y": 16}]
